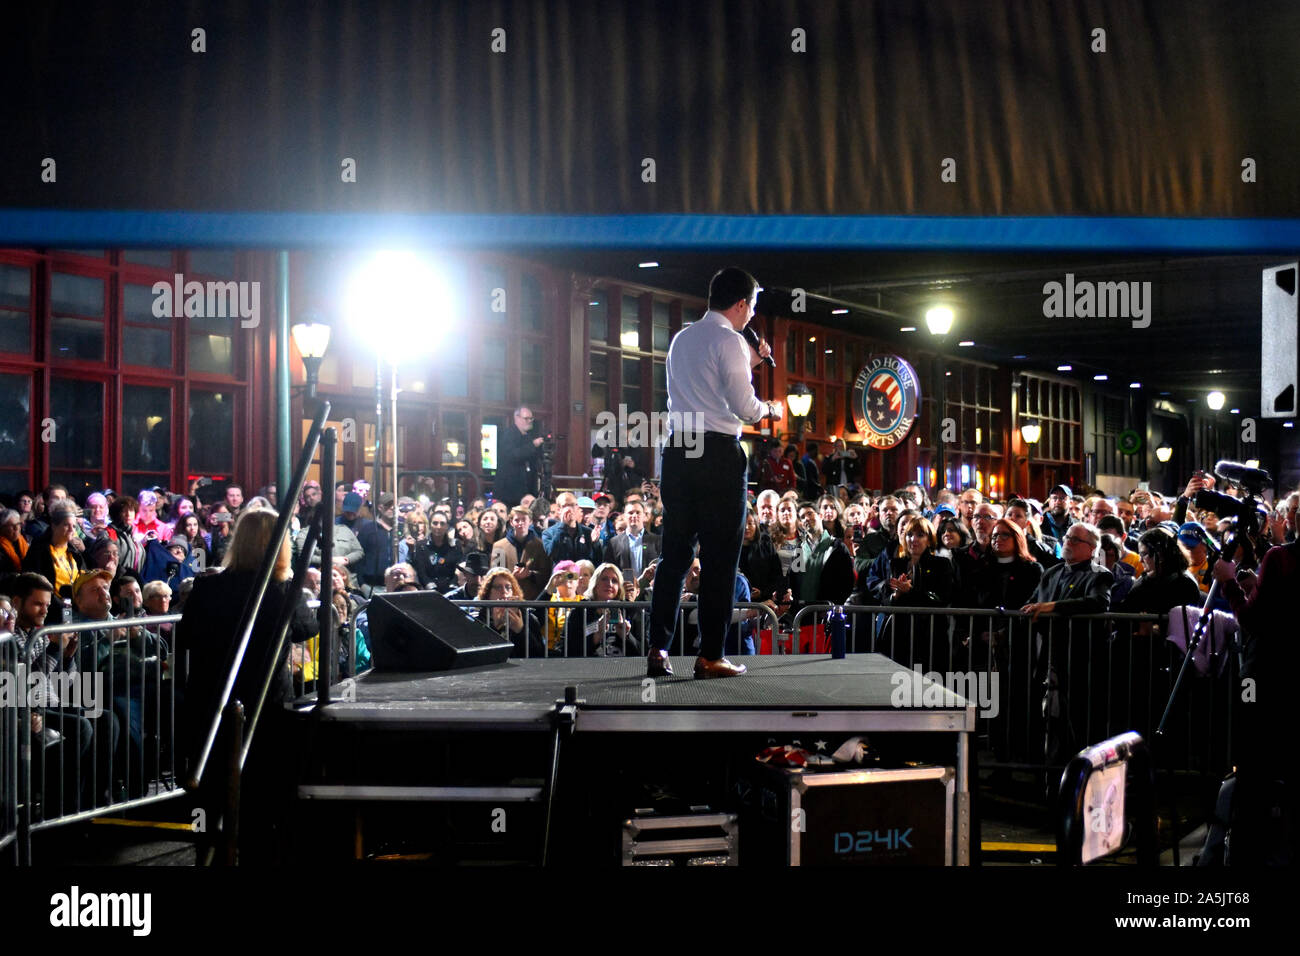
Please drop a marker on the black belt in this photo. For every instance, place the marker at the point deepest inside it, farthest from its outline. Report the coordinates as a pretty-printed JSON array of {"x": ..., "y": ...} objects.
[{"x": 674, "y": 441}]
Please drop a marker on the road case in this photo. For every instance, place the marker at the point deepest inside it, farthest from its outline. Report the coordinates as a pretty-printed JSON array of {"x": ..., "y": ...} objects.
[{"x": 877, "y": 817}]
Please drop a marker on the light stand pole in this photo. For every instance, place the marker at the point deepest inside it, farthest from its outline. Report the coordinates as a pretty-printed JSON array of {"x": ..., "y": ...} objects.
[
  {"x": 395, "y": 535},
  {"x": 379, "y": 433}
]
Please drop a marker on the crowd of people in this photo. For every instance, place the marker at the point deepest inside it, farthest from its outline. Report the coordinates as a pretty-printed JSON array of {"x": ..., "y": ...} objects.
[{"x": 118, "y": 556}]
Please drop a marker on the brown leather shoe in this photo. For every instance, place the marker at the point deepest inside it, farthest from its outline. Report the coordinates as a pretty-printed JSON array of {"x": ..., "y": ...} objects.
[
  {"x": 705, "y": 669},
  {"x": 658, "y": 665}
]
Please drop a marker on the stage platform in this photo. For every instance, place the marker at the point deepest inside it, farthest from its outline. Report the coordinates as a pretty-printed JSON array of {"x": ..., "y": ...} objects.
[
  {"x": 602, "y": 736},
  {"x": 779, "y": 694}
]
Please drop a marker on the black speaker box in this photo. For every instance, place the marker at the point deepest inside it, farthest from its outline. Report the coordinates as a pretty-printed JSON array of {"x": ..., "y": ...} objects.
[{"x": 423, "y": 631}]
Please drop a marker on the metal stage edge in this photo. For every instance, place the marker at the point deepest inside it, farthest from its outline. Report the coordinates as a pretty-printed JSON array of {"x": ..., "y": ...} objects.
[{"x": 848, "y": 696}]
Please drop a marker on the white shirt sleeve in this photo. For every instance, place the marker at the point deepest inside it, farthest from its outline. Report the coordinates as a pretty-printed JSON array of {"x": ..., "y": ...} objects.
[{"x": 736, "y": 380}]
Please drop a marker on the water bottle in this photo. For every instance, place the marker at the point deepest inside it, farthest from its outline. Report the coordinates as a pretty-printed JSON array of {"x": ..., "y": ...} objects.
[{"x": 837, "y": 625}]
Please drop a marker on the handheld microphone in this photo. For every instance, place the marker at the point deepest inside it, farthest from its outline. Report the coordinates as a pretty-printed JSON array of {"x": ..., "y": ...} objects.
[{"x": 752, "y": 338}]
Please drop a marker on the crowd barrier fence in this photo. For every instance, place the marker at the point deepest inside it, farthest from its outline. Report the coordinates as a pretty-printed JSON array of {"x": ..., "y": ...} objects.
[
  {"x": 9, "y": 753},
  {"x": 1043, "y": 689},
  {"x": 100, "y": 722}
]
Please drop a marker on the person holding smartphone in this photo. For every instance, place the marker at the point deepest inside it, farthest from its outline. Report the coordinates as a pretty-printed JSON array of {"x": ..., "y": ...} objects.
[{"x": 603, "y": 632}]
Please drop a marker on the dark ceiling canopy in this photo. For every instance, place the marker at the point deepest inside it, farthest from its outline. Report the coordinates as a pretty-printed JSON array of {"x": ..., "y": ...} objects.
[
  {"x": 1203, "y": 311},
  {"x": 817, "y": 107}
]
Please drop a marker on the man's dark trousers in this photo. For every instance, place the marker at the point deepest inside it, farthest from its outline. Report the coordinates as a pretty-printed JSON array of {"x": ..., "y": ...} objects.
[{"x": 704, "y": 500}]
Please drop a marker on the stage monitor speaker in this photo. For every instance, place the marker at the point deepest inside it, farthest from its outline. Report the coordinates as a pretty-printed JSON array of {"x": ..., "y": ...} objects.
[
  {"x": 1277, "y": 387},
  {"x": 423, "y": 631}
]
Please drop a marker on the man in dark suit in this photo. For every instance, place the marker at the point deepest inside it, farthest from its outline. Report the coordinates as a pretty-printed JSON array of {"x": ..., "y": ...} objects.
[
  {"x": 635, "y": 548},
  {"x": 518, "y": 459}
]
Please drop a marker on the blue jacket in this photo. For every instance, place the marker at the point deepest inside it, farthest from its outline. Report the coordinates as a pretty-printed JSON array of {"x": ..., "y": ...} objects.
[{"x": 562, "y": 546}]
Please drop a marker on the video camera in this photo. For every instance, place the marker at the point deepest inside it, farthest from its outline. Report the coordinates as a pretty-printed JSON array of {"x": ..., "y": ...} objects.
[{"x": 1251, "y": 481}]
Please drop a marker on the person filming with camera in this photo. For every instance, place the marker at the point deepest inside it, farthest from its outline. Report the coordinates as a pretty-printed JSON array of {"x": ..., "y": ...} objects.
[{"x": 520, "y": 459}]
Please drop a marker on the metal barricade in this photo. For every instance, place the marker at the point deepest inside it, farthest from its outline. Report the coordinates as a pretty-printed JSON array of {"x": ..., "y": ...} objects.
[
  {"x": 1047, "y": 687},
  {"x": 538, "y": 634},
  {"x": 100, "y": 713},
  {"x": 10, "y": 689}
]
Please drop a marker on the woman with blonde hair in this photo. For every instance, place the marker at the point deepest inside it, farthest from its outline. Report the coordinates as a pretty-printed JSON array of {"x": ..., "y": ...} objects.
[
  {"x": 207, "y": 637},
  {"x": 602, "y": 632}
]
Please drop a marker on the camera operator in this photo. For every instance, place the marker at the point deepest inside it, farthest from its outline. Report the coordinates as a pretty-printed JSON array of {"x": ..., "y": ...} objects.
[{"x": 520, "y": 460}]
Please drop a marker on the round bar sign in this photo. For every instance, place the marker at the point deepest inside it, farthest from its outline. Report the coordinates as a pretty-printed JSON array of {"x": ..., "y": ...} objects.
[{"x": 886, "y": 397}]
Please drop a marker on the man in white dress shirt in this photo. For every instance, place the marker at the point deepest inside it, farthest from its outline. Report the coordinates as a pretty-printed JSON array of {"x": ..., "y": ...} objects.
[{"x": 710, "y": 395}]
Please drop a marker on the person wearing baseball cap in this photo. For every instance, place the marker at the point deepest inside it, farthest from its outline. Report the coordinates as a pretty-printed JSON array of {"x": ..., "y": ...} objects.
[
  {"x": 1195, "y": 541},
  {"x": 1057, "y": 518}
]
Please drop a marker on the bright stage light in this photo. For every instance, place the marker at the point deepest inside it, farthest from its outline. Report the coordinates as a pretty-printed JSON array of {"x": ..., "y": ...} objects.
[{"x": 400, "y": 303}]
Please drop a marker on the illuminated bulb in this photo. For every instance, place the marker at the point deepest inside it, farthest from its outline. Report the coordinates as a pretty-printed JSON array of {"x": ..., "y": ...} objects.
[{"x": 939, "y": 320}]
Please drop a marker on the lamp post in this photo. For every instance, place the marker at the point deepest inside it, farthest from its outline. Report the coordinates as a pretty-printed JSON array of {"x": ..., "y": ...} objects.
[
  {"x": 312, "y": 339},
  {"x": 1030, "y": 432},
  {"x": 799, "y": 401}
]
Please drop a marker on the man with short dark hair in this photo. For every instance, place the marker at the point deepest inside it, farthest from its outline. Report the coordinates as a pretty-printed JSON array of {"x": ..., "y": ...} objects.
[
  {"x": 234, "y": 499},
  {"x": 636, "y": 548},
  {"x": 523, "y": 552},
  {"x": 827, "y": 574},
  {"x": 710, "y": 395}
]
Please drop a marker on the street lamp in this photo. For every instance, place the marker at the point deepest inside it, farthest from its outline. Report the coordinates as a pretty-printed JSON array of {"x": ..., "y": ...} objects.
[
  {"x": 1215, "y": 400},
  {"x": 799, "y": 402},
  {"x": 1031, "y": 431},
  {"x": 939, "y": 320},
  {"x": 395, "y": 302},
  {"x": 1164, "y": 453},
  {"x": 312, "y": 339}
]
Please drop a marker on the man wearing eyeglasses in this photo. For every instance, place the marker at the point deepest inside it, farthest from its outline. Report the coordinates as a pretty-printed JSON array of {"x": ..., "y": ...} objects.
[
  {"x": 1078, "y": 585},
  {"x": 519, "y": 460},
  {"x": 969, "y": 561}
]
